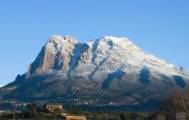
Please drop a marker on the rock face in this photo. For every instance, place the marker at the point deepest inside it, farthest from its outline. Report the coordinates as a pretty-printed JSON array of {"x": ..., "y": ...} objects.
[{"x": 108, "y": 70}]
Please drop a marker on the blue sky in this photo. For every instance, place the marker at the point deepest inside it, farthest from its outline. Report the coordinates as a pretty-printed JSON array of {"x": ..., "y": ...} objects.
[{"x": 160, "y": 27}]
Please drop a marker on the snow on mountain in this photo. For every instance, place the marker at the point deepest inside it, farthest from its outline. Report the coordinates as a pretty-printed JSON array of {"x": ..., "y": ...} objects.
[
  {"x": 106, "y": 54},
  {"x": 109, "y": 66}
]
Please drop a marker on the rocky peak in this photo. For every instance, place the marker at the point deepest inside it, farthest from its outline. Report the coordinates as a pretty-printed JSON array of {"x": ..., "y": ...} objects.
[
  {"x": 58, "y": 39},
  {"x": 57, "y": 42},
  {"x": 108, "y": 53},
  {"x": 55, "y": 55}
]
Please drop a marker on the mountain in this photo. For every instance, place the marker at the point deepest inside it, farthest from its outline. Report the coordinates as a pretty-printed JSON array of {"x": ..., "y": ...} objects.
[{"x": 108, "y": 70}]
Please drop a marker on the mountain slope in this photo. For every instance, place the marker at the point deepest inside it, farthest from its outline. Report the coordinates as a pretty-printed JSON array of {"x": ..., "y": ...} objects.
[{"x": 103, "y": 71}]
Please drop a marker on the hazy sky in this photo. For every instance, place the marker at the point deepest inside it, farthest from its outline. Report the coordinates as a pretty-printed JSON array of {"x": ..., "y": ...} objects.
[{"x": 160, "y": 27}]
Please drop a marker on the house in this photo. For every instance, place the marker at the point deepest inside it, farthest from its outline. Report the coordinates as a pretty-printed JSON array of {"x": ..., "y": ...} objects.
[
  {"x": 1, "y": 112},
  {"x": 70, "y": 117},
  {"x": 59, "y": 108},
  {"x": 54, "y": 107}
]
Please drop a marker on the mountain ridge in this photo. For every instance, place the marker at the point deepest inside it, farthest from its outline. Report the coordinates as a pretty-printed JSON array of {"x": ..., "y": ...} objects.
[{"x": 100, "y": 71}]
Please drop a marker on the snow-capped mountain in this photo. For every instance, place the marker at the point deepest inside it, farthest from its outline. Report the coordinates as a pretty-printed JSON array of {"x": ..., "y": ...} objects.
[
  {"x": 108, "y": 69},
  {"x": 105, "y": 55}
]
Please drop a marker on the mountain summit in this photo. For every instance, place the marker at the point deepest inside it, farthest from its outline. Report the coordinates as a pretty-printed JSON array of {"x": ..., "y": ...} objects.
[{"x": 102, "y": 71}]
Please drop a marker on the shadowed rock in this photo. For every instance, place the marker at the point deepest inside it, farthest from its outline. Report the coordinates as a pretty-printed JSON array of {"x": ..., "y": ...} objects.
[
  {"x": 117, "y": 74},
  {"x": 144, "y": 76},
  {"x": 179, "y": 81}
]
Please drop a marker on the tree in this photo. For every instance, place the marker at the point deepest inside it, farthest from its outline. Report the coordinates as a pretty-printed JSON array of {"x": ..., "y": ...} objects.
[
  {"x": 178, "y": 102},
  {"x": 31, "y": 110},
  {"x": 161, "y": 117}
]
